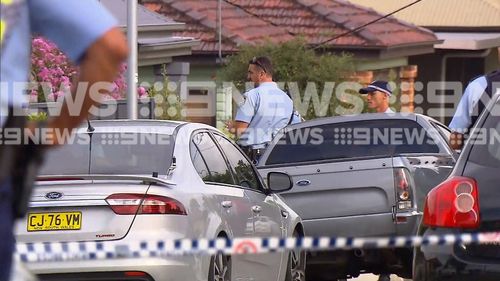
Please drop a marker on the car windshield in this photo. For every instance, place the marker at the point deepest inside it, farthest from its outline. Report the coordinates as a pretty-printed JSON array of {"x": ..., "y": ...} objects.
[{"x": 111, "y": 153}]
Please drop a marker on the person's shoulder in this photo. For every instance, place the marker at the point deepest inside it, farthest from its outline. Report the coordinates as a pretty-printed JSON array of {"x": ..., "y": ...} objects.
[
  {"x": 476, "y": 85},
  {"x": 251, "y": 93},
  {"x": 478, "y": 81}
]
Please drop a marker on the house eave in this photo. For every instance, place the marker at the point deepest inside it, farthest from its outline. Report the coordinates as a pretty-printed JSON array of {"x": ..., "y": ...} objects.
[
  {"x": 468, "y": 40},
  {"x": 388, "y": 52},
  {"x": 159, "y": 53}
]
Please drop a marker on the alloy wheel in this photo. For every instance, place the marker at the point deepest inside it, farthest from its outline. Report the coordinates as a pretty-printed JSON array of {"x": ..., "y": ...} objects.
[
  {"x": 296, "y": 264},
  {"x": 220, "y": 267}
]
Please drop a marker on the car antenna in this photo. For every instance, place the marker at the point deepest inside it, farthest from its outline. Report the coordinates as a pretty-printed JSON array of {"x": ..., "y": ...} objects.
[{"x": 90, "y": 129}]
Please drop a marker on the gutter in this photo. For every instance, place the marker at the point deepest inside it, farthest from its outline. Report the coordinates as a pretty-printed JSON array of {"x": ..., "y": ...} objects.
[
  {"x": 444, "y": 59},
  {"x": 385, "y": 47},
  {"x": 158, "y": 27}
]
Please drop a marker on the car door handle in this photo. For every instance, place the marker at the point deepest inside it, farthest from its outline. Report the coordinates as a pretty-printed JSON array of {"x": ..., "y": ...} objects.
[
  {"x": 303, "y": 182},
  {"x": 227, "y": 204},
  {"x": 256, "y": 209}
]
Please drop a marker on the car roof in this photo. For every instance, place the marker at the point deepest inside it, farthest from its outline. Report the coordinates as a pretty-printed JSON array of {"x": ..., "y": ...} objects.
[
  {"x": 148, "y": 126},
  {"x": 357, "y": 117},
  {"x": 132, "y": 126}
]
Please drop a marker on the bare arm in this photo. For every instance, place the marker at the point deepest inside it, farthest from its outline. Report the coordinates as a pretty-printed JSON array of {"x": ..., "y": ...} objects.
[{"x": 237, "y": 127}]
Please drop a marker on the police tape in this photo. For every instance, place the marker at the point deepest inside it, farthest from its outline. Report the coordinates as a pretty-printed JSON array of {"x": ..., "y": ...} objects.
[{"x": 100, "y": 250}]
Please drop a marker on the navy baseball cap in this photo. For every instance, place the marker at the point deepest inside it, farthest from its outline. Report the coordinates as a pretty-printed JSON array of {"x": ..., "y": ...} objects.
[{"x": 382, "y": 86}]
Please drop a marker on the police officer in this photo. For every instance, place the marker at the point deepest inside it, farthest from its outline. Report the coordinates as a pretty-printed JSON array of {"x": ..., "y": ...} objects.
[
  {"x": 476, "y": 95},
  {"x": 378, "y": 94},
  {"x": 265, "y": 110},
  {"x": 88, "y": 35}
]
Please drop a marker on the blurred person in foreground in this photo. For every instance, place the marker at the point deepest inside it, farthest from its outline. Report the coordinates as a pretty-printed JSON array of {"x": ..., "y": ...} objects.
[{"x": 88, "y": 35}]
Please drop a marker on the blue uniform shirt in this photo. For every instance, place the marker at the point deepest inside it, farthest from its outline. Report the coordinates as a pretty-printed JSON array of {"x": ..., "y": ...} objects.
[
  {"x": 462, "y": 118},
  {"x": 72, "y": 24},
  {"x": 267, "y": 109}
]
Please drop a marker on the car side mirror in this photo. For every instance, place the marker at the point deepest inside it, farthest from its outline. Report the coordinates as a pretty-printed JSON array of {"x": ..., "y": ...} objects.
[{"x": 279, "y": 182}]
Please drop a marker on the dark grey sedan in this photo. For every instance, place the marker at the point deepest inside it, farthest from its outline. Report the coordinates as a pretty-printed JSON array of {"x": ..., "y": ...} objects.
[{"x": 468, "y": 201}]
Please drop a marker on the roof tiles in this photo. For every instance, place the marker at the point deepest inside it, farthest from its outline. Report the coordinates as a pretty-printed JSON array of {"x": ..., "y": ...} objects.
[{"x": 257, "y": 21}]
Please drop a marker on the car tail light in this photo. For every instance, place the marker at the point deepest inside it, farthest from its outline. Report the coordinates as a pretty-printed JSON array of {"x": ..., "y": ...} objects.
[
  {"x": 403, "y": 186},
  {"x": 453, "y": 203},
  {"x": 134, "y": 274},
  {"x": 131, "y": 204}
]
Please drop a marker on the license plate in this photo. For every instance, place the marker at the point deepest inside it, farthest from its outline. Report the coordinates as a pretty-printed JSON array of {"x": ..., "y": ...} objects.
[{"x": 54, "y": 221}]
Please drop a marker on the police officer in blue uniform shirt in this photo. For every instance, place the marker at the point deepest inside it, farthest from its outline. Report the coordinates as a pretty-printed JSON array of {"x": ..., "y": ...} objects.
[
  {"x": 265, "y": 110},
  {"x": 88, "y": 35},
  {"x": 477, "y": 94}
]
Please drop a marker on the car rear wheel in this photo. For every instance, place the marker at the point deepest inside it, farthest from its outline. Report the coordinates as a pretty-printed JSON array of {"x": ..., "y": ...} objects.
[
  {"x": 422, "y": 270},
  {"x": 296, "y": 267},
  {"x": 220, "y": 268}
]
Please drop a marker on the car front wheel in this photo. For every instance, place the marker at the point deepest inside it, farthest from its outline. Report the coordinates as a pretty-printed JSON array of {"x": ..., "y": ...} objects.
[
  {"x": 220, "y": 268},
  {"x": 296, "y": 266}
]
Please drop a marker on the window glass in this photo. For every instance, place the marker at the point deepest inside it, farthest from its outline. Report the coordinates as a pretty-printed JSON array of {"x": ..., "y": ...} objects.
[
  {"x": 486, "y": 149},
  {"x": 208, "y": 160},
  {"x": 443, "y": 130},
  {"x": 111, "y": 153},
  {"x": 245, "y": 174},
  {"x": 352, "y": 140},
  {"x": 198, "y": 161}
]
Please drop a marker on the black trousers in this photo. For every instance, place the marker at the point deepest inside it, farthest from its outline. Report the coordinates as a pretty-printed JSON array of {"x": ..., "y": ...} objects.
[
  {"x": 253, "y": 153},
  {"x": 8, "y": 155},
  {"x": 6, "y": 226},
  {"x": 19, "y": 163}
]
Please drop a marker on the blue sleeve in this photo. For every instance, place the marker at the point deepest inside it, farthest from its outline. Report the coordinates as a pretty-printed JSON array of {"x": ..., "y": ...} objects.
[
  {"x": 73, "y": 25},
  {"x": 296, "y": 117},
  {"x": 462, "y": 117},
  {"x": 247, "y": 110}
]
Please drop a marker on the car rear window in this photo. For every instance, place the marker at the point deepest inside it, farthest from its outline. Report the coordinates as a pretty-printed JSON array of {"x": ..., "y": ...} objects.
[
  {"x": 486, "y": 149},
  {"x": 111, "y": 153},
  {"x": 352, "y": 140}
]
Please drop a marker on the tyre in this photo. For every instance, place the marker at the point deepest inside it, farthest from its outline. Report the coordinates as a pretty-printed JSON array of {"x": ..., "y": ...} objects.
[
  {"x": 220, "y": 268},
  {"x": 296, "y": 266},
  {"x": 422, "y": 269}
]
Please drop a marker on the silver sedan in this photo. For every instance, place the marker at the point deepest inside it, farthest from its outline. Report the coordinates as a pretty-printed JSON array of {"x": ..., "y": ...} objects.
[{"x": 120, "y": 181}]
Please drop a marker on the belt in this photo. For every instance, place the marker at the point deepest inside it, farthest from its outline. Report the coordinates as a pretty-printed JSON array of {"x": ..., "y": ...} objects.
[{"x": 256, "y": 146}]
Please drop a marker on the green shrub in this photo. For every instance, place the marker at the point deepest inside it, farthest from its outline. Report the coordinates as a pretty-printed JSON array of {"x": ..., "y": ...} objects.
[{"x": 293, "y": 61}]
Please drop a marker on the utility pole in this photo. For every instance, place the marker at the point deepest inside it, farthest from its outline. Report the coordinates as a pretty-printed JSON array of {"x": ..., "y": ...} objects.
[{"x": 219, "y": 28}]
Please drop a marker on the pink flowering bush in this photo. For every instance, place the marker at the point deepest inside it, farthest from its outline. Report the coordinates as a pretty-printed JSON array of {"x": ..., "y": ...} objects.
[
  {"x": 54, "y": 74},
  {"x": 51, "y": 69}
]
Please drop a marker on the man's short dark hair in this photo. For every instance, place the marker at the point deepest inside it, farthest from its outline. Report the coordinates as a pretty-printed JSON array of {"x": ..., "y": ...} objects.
[{"x": 264, "y": 63}]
